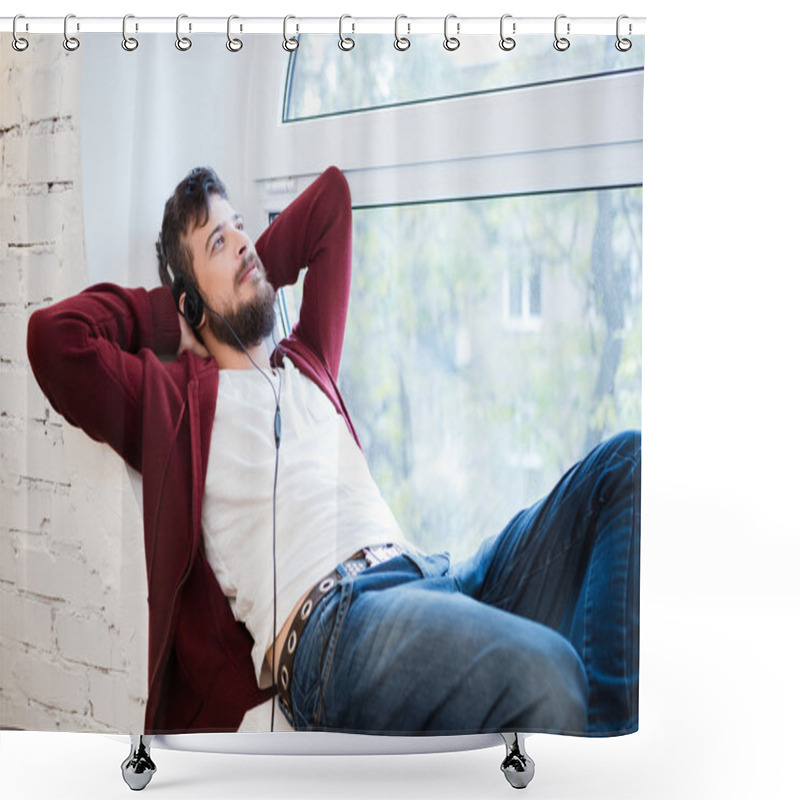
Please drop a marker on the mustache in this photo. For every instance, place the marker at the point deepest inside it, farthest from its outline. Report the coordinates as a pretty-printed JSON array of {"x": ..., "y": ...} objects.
[{"x": 246, "y": 264}]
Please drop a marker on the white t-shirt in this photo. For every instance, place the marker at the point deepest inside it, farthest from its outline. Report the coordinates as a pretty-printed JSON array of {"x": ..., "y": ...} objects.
[{"x": 328, "y": 505}]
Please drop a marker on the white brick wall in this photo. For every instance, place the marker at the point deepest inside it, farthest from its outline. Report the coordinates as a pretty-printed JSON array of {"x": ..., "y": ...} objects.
[{"x": 73, "y": 624}]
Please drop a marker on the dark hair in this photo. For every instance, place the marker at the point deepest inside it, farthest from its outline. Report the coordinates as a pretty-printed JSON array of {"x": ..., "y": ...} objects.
[{"x": 185, "y": 210}]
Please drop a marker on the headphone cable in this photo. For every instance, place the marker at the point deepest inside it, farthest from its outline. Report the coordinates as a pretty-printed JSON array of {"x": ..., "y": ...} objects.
[{"x": 277, "y": 433}]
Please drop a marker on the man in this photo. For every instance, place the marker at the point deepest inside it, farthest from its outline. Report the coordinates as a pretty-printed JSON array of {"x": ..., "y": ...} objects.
[{"x": 251, "y": 469}]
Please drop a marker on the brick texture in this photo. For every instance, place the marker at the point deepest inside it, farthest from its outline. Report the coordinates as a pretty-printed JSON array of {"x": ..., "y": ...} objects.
[{"x": 73, "y": 616}]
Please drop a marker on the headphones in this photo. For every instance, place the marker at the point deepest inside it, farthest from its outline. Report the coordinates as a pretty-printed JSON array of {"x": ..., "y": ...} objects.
[{"x": 193, "y": 306}]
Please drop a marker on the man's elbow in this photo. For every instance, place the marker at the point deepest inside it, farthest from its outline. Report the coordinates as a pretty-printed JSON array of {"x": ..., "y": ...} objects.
[
  {"x": 51, "y": 333},
  {"x": 337, "y": 186},
  {"x": 38, "y": 336}
]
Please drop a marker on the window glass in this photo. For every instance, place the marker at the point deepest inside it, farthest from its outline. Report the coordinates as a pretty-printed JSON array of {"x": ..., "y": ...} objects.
[
  {"x": 323, "y": 80},
  {"x": 464, "y": 419}
]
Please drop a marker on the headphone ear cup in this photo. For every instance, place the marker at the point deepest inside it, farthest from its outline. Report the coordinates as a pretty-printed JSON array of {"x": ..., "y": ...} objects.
[
  {"x": 178, "y": 288},
  {"x": 193, "y": 306}
]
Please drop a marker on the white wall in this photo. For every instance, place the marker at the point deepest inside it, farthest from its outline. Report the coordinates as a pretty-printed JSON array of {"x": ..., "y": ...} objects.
[
  {"x": 73, "y": 636},
  {"x": 86, "y": 169}
]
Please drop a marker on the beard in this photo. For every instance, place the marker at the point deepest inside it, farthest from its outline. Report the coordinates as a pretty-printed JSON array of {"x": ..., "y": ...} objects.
[{"x": 246, "y": 325}]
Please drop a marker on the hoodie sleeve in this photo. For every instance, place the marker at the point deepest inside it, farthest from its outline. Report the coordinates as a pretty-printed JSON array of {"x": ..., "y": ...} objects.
[
  {"x": 315, "y": 231},
  {"x": 94, "y": 355}
]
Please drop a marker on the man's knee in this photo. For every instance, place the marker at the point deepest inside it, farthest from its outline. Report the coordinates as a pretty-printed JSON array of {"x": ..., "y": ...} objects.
[
  {"x": 617, "y": 462},
  {"x": 547, "y": 681},
  {"x": 626, "y": 445}
]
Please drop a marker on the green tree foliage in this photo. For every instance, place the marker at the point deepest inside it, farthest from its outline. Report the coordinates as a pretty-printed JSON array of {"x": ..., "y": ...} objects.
[{"x": 491, "y": 342}]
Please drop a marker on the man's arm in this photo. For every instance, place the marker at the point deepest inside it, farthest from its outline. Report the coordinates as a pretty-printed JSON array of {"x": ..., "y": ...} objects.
[
  {"x": 315, "y": 230},
  {"x": 90, "y": 355}
]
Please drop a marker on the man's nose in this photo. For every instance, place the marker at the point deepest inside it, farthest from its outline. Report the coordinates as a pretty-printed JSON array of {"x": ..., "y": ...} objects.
[{"x": 243, "y": 243}]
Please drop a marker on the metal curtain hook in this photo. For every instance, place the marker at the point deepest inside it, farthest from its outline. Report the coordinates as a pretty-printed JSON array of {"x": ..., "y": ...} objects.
[
  {"x": 290, "y": 43},
  {"x": 561, "y": 43},
  {"x": 623, "y": 45},
  {"x": 18, "y": 43},
  {"x": 451, "y": 42},
  {"x": 182, "y": 42},
  {"x": 128, "y": 42},
  {"x": 234, "y": 45},
  {"x": 70, "y": 42},
  {"x": 507, "y": 42},
  {"x": 401, "y": 42},
  {"x": 345, "y": 42}
]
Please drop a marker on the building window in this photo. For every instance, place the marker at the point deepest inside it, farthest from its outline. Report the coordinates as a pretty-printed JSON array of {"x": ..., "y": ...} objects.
[{"x": 522, "y": 292}]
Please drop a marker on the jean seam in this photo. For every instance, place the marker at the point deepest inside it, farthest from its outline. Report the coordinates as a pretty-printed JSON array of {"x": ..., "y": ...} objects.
[
  {"x": 325, "y": 673},
  {"x": 628, "y": 646},
  {"x": 587, "y": 643}
]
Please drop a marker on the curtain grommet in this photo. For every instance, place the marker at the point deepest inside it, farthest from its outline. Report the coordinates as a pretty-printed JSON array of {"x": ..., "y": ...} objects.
[
  {"x": 561, "y": 43},
  {"x": 71, "y": 43},
  {"x": 183, "y": 43},
  {"x": 346, "y": 43},
  {"x": 128, "y": 42},
  {"x": 233, "y": 45},
  {"x": 507, "y": 43},
  {"x": 622, "y": 44},
  {"x": 18, "y": 42},
  {"x": 290, "y": 43},
  {"x": 451, "y": 43},
  {"x": 401, "y": 43}
]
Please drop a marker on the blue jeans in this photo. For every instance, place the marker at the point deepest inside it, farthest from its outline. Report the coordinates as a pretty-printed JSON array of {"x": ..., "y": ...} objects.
[{"x": 537, "y": 632}]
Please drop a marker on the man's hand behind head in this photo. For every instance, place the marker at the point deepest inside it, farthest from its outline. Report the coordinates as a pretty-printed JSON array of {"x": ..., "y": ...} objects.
[{"x": 189, "y": 341}]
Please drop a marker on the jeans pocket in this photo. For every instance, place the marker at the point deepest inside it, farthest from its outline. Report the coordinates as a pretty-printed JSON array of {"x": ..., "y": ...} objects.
[{"x": 309, "y": 665}]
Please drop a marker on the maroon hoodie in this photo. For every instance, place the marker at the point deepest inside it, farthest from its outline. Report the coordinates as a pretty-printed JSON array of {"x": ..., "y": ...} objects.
[{"x": 97, "y": 358}]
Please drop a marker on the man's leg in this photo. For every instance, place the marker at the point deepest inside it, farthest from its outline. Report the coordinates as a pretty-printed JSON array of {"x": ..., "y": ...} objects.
[
  {"x": 423, "y": 658},
  {"x": 571, "y": 562}
]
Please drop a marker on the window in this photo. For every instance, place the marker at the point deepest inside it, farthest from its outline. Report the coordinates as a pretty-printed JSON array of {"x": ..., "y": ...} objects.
[
  {"x": 494, "y": 331},
  {"x": 522, "y": 295},
  {"x": 322, "y": 81},
  {"x": 465, "y": 419}
]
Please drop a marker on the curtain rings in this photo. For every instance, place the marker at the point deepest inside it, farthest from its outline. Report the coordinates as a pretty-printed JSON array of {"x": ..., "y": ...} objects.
[
  {"x": 345, "y": 42},
  {"x": 401, "y": 42},
  {"x": 18, "y": 43},
  {"x": 561, "y": 43},
  {"x": 290, "y": 43},
  {"x": 234, "y": 45},
  {"x": 451, "y": 42},
  {"x": 623, "y": 45},
  {"x": 128, "y": 42},
  {"x": 70, "y": 42},
  {"x": 183, "y": 43},
  {"x": 507, "y": 42}
]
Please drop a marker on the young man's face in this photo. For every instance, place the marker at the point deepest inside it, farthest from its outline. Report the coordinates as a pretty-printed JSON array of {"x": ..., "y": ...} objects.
[{"x": 231, "y": 278}]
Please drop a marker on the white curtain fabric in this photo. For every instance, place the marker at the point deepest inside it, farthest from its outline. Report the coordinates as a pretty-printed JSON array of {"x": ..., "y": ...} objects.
[{"x": 147, "y": 118}]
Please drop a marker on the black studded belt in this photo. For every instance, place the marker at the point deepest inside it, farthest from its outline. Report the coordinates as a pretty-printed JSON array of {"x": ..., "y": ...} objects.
[{"x": 365, "y": 558}]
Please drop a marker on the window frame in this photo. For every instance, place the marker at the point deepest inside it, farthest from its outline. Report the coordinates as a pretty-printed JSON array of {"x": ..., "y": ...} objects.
[{"x": 583, "y": 133}]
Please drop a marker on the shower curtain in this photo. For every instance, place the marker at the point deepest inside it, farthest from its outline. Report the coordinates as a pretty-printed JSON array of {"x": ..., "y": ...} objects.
[{"x": 487, "y": 398}]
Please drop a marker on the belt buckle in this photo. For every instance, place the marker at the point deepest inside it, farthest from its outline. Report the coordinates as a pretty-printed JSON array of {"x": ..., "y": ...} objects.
[
  {"x": 355, "y": 565},
  {"x": 380, "y": 553}
]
